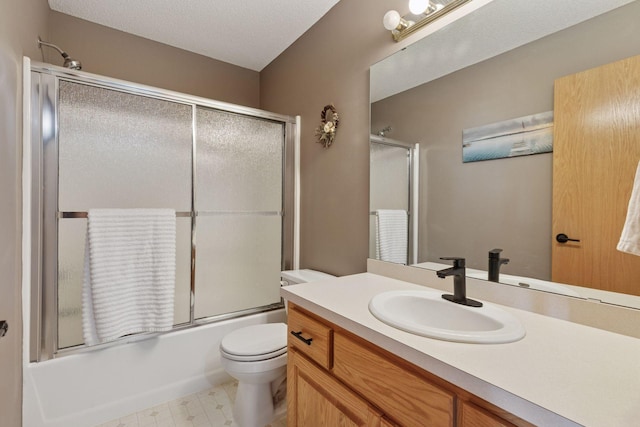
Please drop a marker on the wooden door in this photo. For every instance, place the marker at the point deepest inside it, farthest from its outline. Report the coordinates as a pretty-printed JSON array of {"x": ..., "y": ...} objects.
[
  {"x": 315, "y": 399},
  {"x": 595, "y": 155}
]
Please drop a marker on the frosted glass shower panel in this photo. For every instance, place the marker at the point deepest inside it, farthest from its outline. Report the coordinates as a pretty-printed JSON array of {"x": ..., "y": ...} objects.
[
  {"x": 389, "y": 177},
  {"x": 120, "y": 150},
  {"x": 238, "y": 203},
  {"x": 239, "y": 162},
  {"x": 237, "y": 263}
]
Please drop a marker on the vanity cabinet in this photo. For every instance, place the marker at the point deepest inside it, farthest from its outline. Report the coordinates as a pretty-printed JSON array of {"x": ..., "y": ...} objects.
[
  {"x": 337, "y": 378},
  {"x": 403, "y": 395},
  {"x": 315, "y": 398}
]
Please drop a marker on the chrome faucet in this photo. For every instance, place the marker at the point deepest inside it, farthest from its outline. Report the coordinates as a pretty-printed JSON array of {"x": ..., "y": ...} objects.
[
  {"x": 458, "y": 272},
  {"x": 494, "y": 264}
]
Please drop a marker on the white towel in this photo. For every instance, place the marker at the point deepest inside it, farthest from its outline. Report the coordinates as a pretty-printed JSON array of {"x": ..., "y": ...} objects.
[
  {"x": 129, "y": 276},
  {"x": 630, "y": 238},
  {"x": 391, "y": 235}
]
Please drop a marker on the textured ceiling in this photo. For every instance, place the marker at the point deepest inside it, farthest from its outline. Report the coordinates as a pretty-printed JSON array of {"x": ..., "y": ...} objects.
[
  {"x": 494, "y": 28},
  {"x": 248, "y": 33}
]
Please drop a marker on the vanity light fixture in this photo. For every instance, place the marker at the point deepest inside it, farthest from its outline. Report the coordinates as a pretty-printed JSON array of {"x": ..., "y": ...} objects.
[
  {"x": 393, "y": 22},
  {"x": 422, "y": 12},
  {"x": 418, "y": 7}
]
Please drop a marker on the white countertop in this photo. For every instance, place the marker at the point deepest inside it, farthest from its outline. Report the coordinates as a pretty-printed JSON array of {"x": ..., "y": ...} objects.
[{"x": 559, "y": 374}]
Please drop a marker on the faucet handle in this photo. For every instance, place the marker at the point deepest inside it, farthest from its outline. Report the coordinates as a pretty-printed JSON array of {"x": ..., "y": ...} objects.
[
  {"x": 495, "y": 253},
  {"x": 457, "y": 261}
]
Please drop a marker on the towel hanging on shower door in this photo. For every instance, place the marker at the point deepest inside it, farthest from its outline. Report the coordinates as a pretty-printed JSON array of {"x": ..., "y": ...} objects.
[{"x": 130, "y": 269}]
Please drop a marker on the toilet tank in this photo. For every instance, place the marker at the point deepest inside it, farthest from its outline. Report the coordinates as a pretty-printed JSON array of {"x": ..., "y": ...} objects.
[{"x": 292, "y": 277}]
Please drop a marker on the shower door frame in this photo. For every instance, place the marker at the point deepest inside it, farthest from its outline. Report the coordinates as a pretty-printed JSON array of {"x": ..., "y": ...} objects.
[{"x": 44, "y": 214}]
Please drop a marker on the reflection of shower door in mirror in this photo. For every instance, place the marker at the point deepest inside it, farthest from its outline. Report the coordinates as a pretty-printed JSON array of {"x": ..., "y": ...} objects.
[
  {"x": 596, "y": 152},
  {"x": 390, "y": 177}
]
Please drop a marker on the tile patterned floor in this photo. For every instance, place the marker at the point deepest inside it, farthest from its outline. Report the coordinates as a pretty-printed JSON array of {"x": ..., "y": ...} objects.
[{"x": 209, "y": 408}]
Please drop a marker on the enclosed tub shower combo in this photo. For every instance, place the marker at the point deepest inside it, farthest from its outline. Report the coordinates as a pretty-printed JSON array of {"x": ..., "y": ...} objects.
[{"x": 223, "y": 172}]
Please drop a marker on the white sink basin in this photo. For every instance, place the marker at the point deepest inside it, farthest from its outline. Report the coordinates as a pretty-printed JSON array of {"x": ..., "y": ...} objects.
[{"x": 426, "y": 313}]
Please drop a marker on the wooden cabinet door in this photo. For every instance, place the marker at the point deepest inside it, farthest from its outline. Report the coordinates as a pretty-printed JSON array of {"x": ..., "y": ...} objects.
[
  {"x": 315, "y": 399},
  {"x": 595, "y": 155},
  {"x": 399, "y": 392},
  {"x": 473, "y": 416}
]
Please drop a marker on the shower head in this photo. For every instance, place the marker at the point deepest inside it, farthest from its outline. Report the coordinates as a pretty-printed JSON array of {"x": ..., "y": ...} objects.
[
  {"x": 385, "y": 130},
  {"x": 69, "y": 62}
]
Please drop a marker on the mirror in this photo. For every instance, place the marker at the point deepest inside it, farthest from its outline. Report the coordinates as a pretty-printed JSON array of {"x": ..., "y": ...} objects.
[{"x": 487, "y": 67}]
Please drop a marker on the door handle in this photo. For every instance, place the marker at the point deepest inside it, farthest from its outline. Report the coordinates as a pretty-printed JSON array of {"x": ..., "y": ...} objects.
[
  {"x": 4, "y": 327},
  {"x": 563, "y": 238}
]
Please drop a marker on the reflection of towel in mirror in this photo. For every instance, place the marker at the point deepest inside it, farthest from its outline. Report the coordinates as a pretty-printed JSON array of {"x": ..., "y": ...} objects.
[
  {"x": 130, "y": 270},
  {"x": 630, "y": 238},
  {"x": 391, "y": 235}
]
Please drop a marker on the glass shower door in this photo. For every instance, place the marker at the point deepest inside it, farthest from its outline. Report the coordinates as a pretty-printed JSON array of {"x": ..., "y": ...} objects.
[
  {"x": 238, "y": 203},
  {"x": 227, "y": 171},
  {"x": 117, "y": 150}
]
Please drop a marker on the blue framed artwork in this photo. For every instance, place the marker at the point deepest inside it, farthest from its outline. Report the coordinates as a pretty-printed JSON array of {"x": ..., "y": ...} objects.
[{"x": 510, "y": 138}]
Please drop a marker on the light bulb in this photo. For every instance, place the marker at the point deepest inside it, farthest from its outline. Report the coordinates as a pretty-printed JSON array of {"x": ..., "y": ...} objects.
[
  {"x": 391, "y": 20},
  {"x": 418, "y": 6}
]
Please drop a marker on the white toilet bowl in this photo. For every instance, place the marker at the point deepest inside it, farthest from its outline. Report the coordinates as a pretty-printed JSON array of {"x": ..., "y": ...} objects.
[{"x": 257, "y": 357}]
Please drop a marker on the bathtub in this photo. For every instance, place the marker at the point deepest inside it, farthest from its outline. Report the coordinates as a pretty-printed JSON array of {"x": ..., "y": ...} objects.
[{"x": 90, "y": 388}]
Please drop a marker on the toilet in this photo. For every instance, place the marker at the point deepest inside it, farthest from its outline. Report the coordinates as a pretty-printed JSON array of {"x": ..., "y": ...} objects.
[{"x": 257, "y": 357}]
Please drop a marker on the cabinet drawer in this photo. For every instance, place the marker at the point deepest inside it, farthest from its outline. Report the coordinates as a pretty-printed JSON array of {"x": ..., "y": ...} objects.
[
  {"x": 311, "y": 337},
  {"x": 404, "y": 396}
]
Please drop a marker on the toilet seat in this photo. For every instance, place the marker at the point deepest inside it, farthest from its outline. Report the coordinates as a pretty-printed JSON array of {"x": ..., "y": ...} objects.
[
  {"x": 255, "y": 357},
  {"x": 255, "y": 343}
]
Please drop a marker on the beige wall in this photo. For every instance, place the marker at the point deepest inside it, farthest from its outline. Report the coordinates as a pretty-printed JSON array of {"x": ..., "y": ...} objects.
[
  {"x": 120, "y": 55},
  {"x": 471, "y": 208},
  {"x": 330, "y": 64},
  {"x": 20, "y": 23}
]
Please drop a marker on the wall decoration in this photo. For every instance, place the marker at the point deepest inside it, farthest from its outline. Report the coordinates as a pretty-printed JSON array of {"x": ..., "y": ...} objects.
[
  {"x": 510, "y": 138},
  {"x": 326, "y": 132}
]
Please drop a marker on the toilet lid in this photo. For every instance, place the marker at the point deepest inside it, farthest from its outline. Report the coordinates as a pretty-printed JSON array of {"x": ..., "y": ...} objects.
[{"x": 257, "y": 342}]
